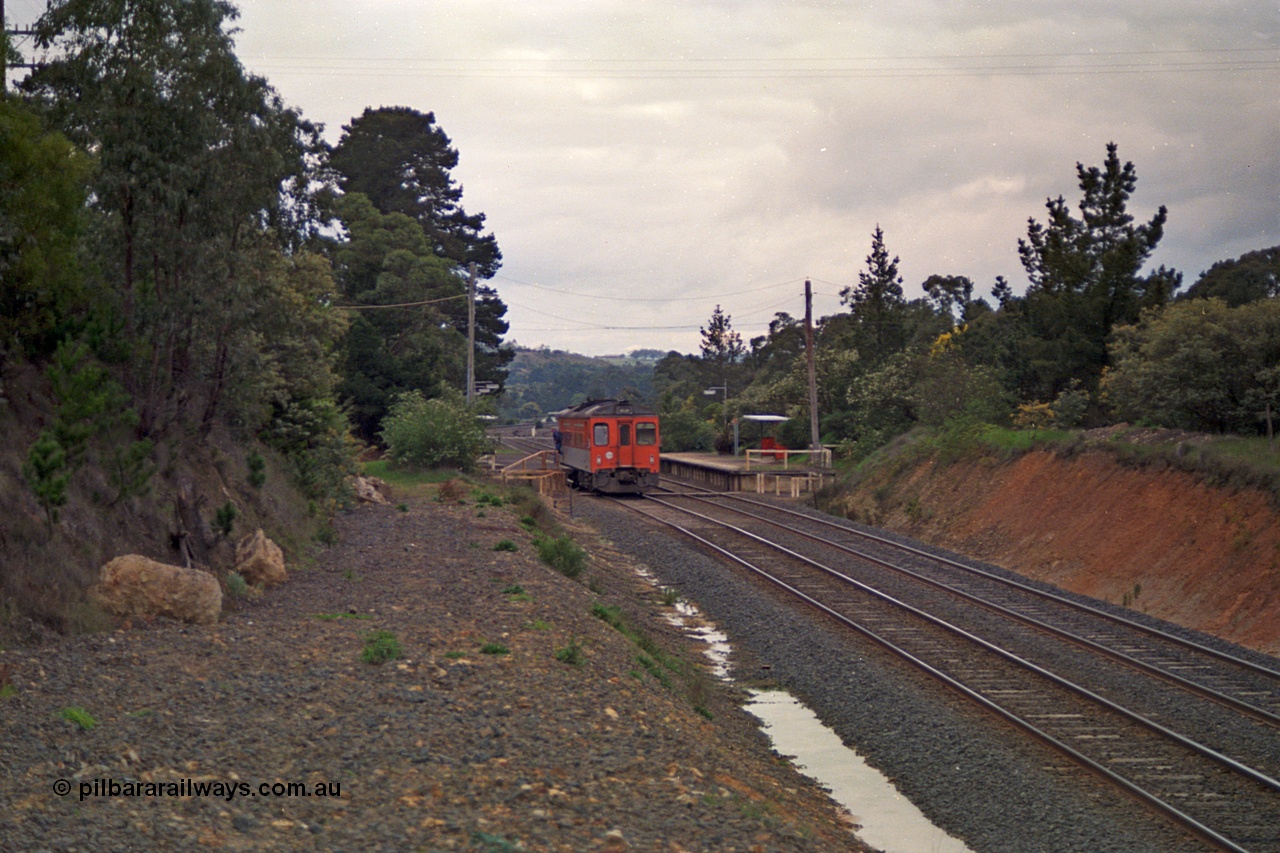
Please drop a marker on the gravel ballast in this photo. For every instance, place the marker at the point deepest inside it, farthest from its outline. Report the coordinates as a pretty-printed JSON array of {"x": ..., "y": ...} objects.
[{"x": 975, "y": 778}]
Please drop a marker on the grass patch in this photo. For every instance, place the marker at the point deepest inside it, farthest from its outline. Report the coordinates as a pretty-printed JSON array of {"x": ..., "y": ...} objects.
[
  {"x": 494, "y": 649},
  {"x": 380, "y": 647},
  {"x": 405, "y": 478},
  {"x": 79, "y": 716},
  {"x": 455, "y": 655},
  {"x": 329, "y": 617},
  {"x": 505, "y": 545},
  {"x": 7, "y": 690},
  {"x": 572, "y": 654},
  {"x": 670, "y": 595}
]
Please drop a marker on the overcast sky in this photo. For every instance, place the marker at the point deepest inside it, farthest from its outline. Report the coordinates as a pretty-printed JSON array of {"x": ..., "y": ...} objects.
[{"x": 642, "y": 162}]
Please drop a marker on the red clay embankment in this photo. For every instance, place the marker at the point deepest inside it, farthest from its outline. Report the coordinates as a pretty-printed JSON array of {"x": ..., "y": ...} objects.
[{"x": 1161, "y": 541}]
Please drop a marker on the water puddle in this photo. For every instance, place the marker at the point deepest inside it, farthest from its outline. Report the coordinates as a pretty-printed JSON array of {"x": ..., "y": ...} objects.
[{"x": 885, "y": 818}]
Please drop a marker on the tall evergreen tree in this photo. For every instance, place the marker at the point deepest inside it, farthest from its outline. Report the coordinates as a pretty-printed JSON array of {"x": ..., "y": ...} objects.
[
  {"x": 1085, "y": 276},
  {"x": 720, "y": 343},
  {"x": 402, "y": 160},
  {"x": 877, "y": 304}
]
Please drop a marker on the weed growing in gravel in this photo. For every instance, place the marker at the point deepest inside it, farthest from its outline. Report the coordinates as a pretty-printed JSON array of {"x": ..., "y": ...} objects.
[
  {"x": 528, "y": 522},
  {"x": 494, "y": 843},
  {"x": 494, "y": 649},
  {"x": 704, "y": 712},
  {"x": 80, "y": 717},
  {"x": 7, "y": 690},
  {"x": 515, "y": 592},
  {"x": 563, "y": 555},
  {"x": 486, "y": 499},
  {"x": 572, "y": 654},
  {"x": 651, "y": 666},
  {"x": 329, "y": 617},
  {"x": 380, "y": 647},
  {"x": 326, "y": 535},
  {"x": 455, "y": 655},
  {"x": 349, "y": 574},
  {"x": 236, "y": 584},
  {"x": 670, "y": 595},
  {"x": 402, "y": 507},
  {"x": 540, "y": 625},
  {"x": 505, "y": 545}
]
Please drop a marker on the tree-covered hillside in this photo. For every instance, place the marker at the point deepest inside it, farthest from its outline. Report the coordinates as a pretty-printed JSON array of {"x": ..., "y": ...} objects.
[
  {"x": 541, "y": 381},
  {"x": 201, "y": 300}
]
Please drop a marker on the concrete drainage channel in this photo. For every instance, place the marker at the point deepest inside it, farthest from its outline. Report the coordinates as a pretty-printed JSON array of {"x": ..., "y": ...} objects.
[{"x": 884, "y": 818}]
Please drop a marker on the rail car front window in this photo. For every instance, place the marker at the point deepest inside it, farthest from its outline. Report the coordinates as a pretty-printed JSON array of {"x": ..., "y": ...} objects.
[
  {"x": 600, "y": 435},
  {"x": 646, "y": 434}
]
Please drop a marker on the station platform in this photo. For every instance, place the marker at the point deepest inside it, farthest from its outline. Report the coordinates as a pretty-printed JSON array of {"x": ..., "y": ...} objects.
[{"x": 744, "y": 474}]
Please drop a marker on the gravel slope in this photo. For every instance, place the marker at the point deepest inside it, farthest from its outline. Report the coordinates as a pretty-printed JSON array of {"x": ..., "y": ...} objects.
[{"x": 447, "y": 747}]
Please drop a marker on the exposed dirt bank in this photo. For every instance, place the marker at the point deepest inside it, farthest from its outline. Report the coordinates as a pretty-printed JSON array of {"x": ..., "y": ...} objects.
[{"x": 1168, "y": 545}]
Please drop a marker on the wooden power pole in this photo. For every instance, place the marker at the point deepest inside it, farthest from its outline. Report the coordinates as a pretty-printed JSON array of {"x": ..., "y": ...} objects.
[
  {"x": 815, "y": 440},
  {"x": 471, "y": 335}
]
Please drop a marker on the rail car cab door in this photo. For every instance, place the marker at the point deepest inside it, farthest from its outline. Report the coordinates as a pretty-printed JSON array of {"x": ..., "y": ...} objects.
[
  {"x": 626, "y": 444},
  {"x": 602, "y": 452}
]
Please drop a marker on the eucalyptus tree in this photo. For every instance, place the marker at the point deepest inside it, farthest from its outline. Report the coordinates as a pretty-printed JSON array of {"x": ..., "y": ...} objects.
[
  {"x": 196, "y": 162},
  {"x": 42, "y": 193}
]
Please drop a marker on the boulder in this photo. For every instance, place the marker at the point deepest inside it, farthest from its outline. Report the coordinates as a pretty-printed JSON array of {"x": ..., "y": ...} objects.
[
  {"x": 260, "y": 561},
  {"x": 370, "y": 490},
  {"x": 137, "y": 586}
]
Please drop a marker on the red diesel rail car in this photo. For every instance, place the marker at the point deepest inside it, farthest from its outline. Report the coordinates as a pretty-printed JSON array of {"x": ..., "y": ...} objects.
[{"x": 610, "y": 446}]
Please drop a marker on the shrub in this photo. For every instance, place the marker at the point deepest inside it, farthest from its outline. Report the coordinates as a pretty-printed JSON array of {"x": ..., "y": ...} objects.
[
  {"x": 572, "y": 654},
  {"x": 505, "y": 545},
  {"x": 433, "y": 433},
  {"x": 236, "y": 584},
  {"x": 224, "y": 518},
  {"x": 257, "y": 469},
  {"x": 494, "y": 649},
  {"x": 380, "y": 647},
  {"x": 47, "y": 474},
  {"x": 686, "y": 432},
  {"x": 563, "y": 555}
]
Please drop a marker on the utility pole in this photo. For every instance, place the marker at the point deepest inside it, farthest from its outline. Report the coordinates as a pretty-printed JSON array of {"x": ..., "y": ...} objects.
[
  {"x": 4, "y": 54},
  {"x": 815, "y": 440},
  {"x": 471, "y": 333}
]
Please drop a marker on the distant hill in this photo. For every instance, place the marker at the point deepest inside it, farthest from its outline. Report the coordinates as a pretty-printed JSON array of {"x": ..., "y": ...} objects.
[{"x": 544, "y": 380}]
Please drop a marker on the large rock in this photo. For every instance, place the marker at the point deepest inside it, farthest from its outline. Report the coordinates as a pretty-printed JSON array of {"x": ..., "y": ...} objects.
[
  {"x": 136, "y": 586},
  {"x": 370, "y": 490},
  {"x": 260, "y": 561}
]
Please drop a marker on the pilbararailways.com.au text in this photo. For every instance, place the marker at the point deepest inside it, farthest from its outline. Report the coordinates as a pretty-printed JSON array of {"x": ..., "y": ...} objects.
[{"x": 195, "y": 788}]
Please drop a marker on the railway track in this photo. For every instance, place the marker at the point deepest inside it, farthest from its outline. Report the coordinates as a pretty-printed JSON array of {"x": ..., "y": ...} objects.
[{"x": 1190, "y": 730}]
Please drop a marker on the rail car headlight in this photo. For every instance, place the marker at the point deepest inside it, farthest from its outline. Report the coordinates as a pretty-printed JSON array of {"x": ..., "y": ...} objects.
[{"x": 608, "y": 454}]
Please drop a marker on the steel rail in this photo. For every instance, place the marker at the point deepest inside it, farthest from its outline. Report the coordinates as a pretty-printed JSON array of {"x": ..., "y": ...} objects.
[
  {"x": 1260, "y": 714},
  {"x": 1102, "y": 614},
  {"x": 1202, "y": 831}
]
